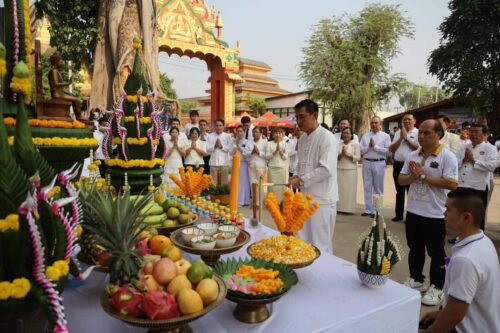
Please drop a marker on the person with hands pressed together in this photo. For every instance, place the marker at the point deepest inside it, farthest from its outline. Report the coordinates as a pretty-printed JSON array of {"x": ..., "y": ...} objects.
[
  {"x": 219, "y": 146},
  {"x": 195, "y": 150},
  {"x": 245, "y": 148},
  {"x": 348, "y": 172},
  {"x": 175, "y": 153},
  {"x": 317, "y": 175},
  {"x": 431, "y": 172},
  {"x": 257, "y": 166},
  {"x": 374, "y": 147},
  {"x": 278, "y": 162},
  {"x": 471, "y": 290},
  {"x": 405, "y": 141}
]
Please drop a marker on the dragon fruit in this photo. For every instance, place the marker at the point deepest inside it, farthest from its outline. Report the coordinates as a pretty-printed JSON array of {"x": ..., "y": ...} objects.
[
  {"x": 127, "y": 301},
  {"x": 159, "y": 305}
]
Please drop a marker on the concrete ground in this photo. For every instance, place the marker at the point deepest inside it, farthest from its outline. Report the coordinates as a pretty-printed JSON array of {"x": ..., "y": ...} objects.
[{"x": 349, "y": 227}]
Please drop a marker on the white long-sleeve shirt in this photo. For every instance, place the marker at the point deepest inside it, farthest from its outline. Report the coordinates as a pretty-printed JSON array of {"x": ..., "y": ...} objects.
[
  {"x": 381, "y": 148},
  {"x": 292, "y": 153},
  {"x": 451, "y": 141},
  {"x": 219, "y": 156},
  {"x": 277, "y": 160},
  {"x": 259, "y": 160},
  {"x": 317, "y": 165},
  {"x": 477, "y": 175}
]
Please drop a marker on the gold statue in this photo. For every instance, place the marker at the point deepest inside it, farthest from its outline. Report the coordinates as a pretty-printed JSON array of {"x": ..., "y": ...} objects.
[{"x": 57, "y": 84}]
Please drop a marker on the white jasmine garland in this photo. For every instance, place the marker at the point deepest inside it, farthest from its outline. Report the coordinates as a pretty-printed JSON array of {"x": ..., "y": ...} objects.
[{"x": 389, "y": 255}]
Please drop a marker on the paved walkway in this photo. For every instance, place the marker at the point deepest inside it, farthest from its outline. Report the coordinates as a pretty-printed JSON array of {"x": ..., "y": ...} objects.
[{"x": 349, "y": 227}]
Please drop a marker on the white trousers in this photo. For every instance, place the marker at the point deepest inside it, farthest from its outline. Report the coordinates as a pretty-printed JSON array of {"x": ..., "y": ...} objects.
[
  {"x": 373, "y": 181},
  {"x": 318, "y": 230}
]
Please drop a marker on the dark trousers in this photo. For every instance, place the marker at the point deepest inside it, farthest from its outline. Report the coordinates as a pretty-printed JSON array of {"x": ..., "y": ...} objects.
[
  {"x": 206, "y": 159},
  {"x": 400, "y": 190},
  {"x": 484, "y": 197},
  {"x": 426, "y": 233},
  {"x": 102, "y": 168}
]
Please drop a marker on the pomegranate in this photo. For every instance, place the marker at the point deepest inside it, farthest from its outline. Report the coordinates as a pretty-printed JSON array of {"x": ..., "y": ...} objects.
[
  {"x": 159, "y": 305},
  {"x": 127, "y": 301}
]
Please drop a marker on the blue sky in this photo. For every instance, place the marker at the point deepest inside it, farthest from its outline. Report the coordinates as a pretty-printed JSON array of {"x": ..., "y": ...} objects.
[{"x": 275, "y": 31}]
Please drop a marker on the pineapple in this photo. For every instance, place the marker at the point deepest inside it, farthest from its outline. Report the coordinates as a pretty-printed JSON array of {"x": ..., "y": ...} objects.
[{"x": 115, "y": 220}]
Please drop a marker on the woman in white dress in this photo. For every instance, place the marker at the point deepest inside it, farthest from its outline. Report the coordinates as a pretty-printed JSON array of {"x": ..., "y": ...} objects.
[
  {"x": 347, "y": 172},
  {"x": 278, "y": 162},
  {"x": 175, "y": 153},
  {"x": 245, "y": 148},
  {"x": 194, "y": 150},
  {"x": 257, "y": 167}
]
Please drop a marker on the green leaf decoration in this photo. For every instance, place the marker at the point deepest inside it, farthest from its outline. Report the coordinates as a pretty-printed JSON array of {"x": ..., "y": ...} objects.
[
  {"x": 135, "y": 80},
  {"x": 24, "y": 149},
  {"x": 231, "y": 265}
]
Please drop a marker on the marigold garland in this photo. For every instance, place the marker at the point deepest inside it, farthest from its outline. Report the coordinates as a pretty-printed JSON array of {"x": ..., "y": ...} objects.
[
  {"x": 57, "y": 141},
  {"x": 22, "y": 85},
  {"x": 11, "y": 222},
  {"x": 3, "y": 67},
  {"x": 18, "y": 288},
  {"x": 116, "y": 162},
  {"x": 27, "y": 33},
  {"x": 133, "y": 99},
  {"x": 142, "y": 120},
  {"x": 191, "y": 183},
  {"x": 9, "y": 121}
]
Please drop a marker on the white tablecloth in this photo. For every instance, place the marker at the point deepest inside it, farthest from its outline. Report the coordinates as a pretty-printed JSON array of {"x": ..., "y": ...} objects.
[{"x": 328, "y": 298}]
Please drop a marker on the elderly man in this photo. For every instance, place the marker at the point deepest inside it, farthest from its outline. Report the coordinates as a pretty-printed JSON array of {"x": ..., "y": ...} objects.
[
  {"x": 476, "y": 160},
  {"x": 471, "y": 290},
  {"x": 431, "y": 172},
  {"x": 374, "y": 147},
  {"x": 405, "y": 141},
  {"x": 343, "y": 124},
  {"x": 317, "y": 175}
]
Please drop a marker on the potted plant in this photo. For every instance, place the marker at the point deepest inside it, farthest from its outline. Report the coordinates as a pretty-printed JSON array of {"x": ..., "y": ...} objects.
[
  {"x": 378, "y": 252},
  {"x": 220, "y": 193}
]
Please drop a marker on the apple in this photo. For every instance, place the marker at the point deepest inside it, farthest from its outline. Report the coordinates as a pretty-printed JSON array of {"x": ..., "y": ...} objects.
[
  {"x": 164, "y": 270},
  {"x": 182, "y": 266}
]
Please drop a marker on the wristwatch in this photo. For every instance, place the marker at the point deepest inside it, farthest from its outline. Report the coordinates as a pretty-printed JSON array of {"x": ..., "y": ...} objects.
[{"x": 423, "y": 177}]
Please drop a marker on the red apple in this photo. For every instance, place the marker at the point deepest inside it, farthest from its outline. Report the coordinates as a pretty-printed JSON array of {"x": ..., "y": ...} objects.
[{"x": 164, "y": 271}]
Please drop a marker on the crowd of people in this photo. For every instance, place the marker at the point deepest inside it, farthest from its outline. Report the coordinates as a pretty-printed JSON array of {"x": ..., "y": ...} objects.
[{"x": 446, "y": 179}]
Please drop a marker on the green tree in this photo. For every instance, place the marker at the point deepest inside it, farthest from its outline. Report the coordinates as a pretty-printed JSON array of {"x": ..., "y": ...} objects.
[
  {"x": 468, "y": 59},
  {"x": 73, "y": 28},
  {"x": 413, "y": 95},
  {"x": 256, "y": 104},
  {"x": 187, "y": 105},
  {"x": 166, "y": 86},
  {"x": 346, "y": 61}
]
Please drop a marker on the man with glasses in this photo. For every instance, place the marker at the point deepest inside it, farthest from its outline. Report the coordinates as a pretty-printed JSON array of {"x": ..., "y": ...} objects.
[
  {"x": 405, "y": 141},
  {"x": 374, "y": 147}
]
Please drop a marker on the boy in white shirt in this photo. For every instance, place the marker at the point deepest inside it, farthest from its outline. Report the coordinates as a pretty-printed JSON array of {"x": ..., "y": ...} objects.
[
  {"x": 471, "y": 289},
  {"x": 193, "y": 116}
]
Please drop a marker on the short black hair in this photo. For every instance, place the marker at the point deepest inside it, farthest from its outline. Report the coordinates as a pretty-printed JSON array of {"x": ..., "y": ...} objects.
[
  {"x": 257, "y": 128},
  {"x": 442, "y": 116},
  {"x": 203, "y": 121},
  {"x": 172, "y": 120},
  {"x": 310, "y": 106},
  {"x": 324, "y": 125},
  {"x": 468, "y": 200},
  {"x": 194, "y": 129},
  {"x": 240, "y": 126},
  {"x": 483, "y": 127},
  {"x": 465, "y": 124},
  {"x": 173, "y": 128},
  {"x": 245, "y": 120},
  {"x": 220, "y": 120},
  {"x": 347, "y": 129},
  {"x": 194, "y": 113}
]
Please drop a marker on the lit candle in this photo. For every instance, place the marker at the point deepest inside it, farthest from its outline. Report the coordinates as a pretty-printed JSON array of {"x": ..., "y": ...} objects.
[{"x": 233, "y": 192}]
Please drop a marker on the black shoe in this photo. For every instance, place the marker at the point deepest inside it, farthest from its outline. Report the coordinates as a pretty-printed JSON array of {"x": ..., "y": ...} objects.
[
  {"x": 366, "y": 214},
  {"x": 397, "y": 219},
  {"x": 452, "y": 240}
]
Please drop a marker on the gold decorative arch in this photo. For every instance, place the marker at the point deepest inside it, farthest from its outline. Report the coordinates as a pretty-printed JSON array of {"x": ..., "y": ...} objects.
[{"x": 191, "y": 28}]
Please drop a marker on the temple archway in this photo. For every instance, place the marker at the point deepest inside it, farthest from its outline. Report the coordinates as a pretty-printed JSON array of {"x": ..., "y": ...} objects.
[{"x": 186, "y": 28}]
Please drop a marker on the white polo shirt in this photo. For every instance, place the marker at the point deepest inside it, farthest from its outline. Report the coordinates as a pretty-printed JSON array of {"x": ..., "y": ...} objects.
[
  {"x": 477, "y": 175},
  {"x": 473, "y": 276},
  {"x": 423, "y": 199},
  {"x": 403, "y": 150}
]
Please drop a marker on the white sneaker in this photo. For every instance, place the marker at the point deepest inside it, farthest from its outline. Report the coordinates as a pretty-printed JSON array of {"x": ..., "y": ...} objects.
[
  {"x": 433, "y": 296},
  {"x": 411, "y": 283}
]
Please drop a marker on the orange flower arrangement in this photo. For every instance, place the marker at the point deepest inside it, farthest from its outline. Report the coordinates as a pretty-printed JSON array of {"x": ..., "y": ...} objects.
[
  {"x": 191, "y": 183},
  {"x": 47, "y": 123},
  {"x": 296, "y": 210}
]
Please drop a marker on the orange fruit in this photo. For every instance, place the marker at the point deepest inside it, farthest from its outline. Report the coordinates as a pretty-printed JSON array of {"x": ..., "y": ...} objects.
[{"x": 159, "y": 243}]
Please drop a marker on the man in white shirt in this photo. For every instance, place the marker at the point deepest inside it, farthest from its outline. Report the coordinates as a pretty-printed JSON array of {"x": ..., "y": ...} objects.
[
  {"x": 292, "y": 151},
  {"x": 476, "y": 161},
  {"x": 431, "y": 171},
  {"x": 219, "y": 146},
  {"x": 343, "y": 124},
  {"x": 193, "y": 116},
  {"x": 374, "y": 147},
  {"x": 247, "y": 127},
  {"x": 405, "y": 141},
  {"x": 472, "y": 292},
  {"x": 175, "y": 122},
  {"x": 203, "y": 137},
  {"x": 450, "y": 140},
  {"x": 465, "y": 133},
  {"x": 317, "y": 175}
]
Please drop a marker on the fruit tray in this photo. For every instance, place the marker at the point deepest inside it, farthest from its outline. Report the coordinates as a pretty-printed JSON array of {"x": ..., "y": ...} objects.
[{"x": 167, "y": 231}]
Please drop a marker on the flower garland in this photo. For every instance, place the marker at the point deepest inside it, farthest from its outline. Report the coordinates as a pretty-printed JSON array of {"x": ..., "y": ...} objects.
[
  {"x": 3, "y": 63},
  {"x": 9, "y": 121},
  {"x": 143, "y": 120},
  {"x": 18, "y": 288},
  {"x": 135, "y": 99},
  {"x": 135, "y": 163},
  {"x": 57, "y": 141},
  {"x": 135, "y": 142},
  {"x": 27, "y": 32},
  {"x": 59, "y": 269},
  {"x": 11, "y": 222}
]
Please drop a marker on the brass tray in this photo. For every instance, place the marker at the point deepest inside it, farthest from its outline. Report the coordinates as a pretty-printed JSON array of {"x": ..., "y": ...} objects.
[
  {"x": 178, "y": 324},
  {"x": 166, "y": 231},
  {"x": 297, "y": 265},
  {"x": 210, "y": 257}
]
